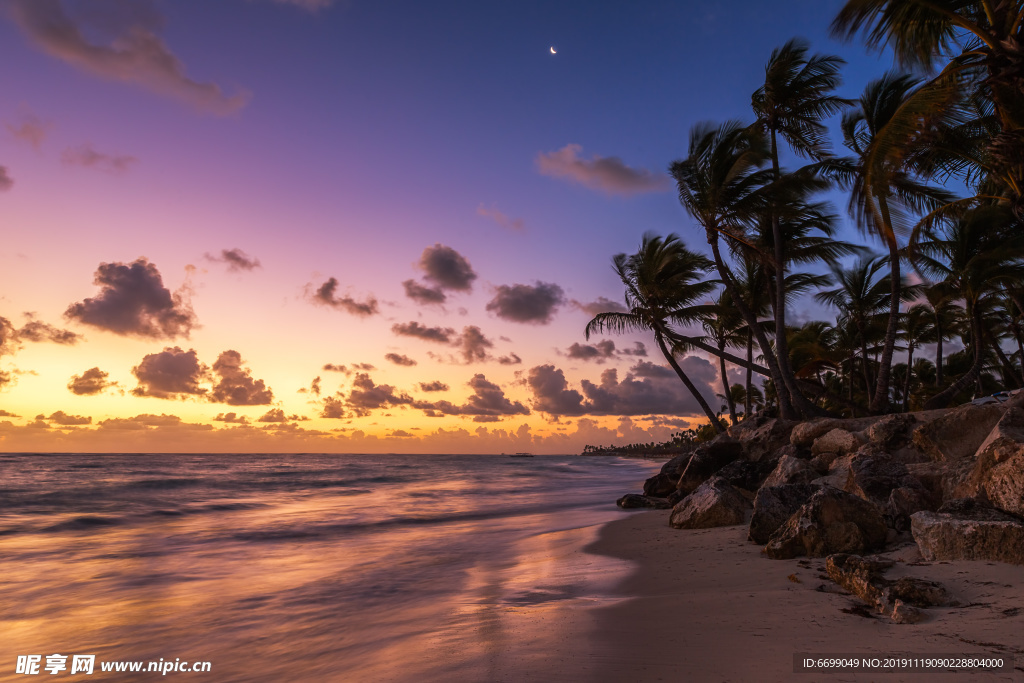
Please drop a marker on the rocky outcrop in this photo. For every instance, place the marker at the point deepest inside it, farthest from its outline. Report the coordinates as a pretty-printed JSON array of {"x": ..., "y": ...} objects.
[
  {"x": 666, "y": 481},
  {"x": 748, "y": 475},
  {"x": 707, "y": 460},
  {"x": 1004, "y": 485},
  {"x": 762, "y": 437},
  {"x": 635, "y": 501},
  {"x": 838, "y": 472},
  {"x": 804, "y": 434},
  {"x": 901, "y": 600},
  {"x": 968, "y": 529},
  {"x": 773, "y": 505},
  {"x": 958, "y": 433},
  {"x": 887, "y": 483},
  {"x": 791, "y": 470},
  {"x": 714, "y": 503},
  {"x": 997, "y": 469},
  {"x": 832, "y": 521},
  {"x": 838, "y": 441}
]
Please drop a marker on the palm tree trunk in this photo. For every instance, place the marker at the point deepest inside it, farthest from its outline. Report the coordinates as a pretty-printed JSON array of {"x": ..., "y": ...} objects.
[
  {"x": 725, "y": 386},
  {"x": 747, "y": 401},
  {"x": 689, "y": 385},
  {"x": 910, "y": 370},
  {"x": 1020, "y": 348},
  {"x": 880, "y": 402},
  {"x": 938, "y": 351},
  {"x": 942, "y": 399},
  {"x": 1009, "y": 372},
  {"x": 786, "y": 408}
]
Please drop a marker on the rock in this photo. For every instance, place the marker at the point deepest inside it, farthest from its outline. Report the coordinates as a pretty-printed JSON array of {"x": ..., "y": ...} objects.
[
  {"x": 900, "y": 600},
  {"x": 676, "y": 466},
  {"x": 838, "y": 441},
  {"x": 634, "y": 500},
  {"x": 707, "y": 460},
  {"x": 675, "y": 497},
  {"x": 762, "y": 436},
  {"x": 891, "y": 432},
  {"x": 838, "y": 472},
  {"x": 930, "y": 475},
  {"x": 966, "y": 529},
  {"x": 888, "y": 484},
  {"x": 804, "y": 434},
  {"x": 660, "y": 485},
  {"x": 714, "y": 503},
  {"x": 747, "y": 475},
  {"x": 997, "y": 471},
  {"x": 1004, "y": 485},
  {"x": 790, "y": 470},
  {"x": 832, "y": 521},
  {"x": 958, "y": 433},
  {"x": 823, "y": 461},
  {"x": 773, "y": 505}
]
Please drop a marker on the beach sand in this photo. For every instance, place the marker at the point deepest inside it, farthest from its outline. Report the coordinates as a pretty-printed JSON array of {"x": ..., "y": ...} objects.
[{"x": 706, "y": 605}]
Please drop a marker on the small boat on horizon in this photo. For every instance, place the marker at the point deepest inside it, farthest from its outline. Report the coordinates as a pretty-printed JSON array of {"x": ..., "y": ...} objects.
[{"x": 521, "y": 455}]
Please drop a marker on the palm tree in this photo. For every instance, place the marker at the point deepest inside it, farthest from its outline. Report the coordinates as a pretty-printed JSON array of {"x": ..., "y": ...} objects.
[
  {"x": 983, "y": 41},
  {"x": 663, "y": 279},
  {"x": 721, "y": 184},
  {"x": 722, "y": 326},
  {"x": 977, "y": 254},
  {"x": 881, "y": 193},
  {"x": 941, "y": 301},
  {"x": 795, "y": 98},
  {"x": 918, "y": 328}
]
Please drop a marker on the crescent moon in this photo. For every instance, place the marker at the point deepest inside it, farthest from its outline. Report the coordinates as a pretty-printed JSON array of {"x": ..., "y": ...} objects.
[{"x": 553, "y": 51}]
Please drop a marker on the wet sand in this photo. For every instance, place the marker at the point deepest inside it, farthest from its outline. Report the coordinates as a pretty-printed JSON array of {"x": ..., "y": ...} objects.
[{"x": 706, "y": 605}]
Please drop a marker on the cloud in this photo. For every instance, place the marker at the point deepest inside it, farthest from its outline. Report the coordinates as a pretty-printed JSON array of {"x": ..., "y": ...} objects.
[
  {"x": 4, "y": 413},
  {"x": 87, "y": 157},
  {"x": 65, "y": 420},
  {"x": 236, "y": 260},
  {"x": 487, "y": 404},
  {"x": 90, "y": 382},
  {"x": 434, "y": 386},
  {"x": 38, "y": 331},
  {"x": 366, "y": 395},
  {"x": 31, "y": 130},
  {"x": 130, "y": 51},
  {"x": 400, "y": 359},
  {"x": 6, "y": 181},
  {"x": 236, "y": 386},
  {"x": 334, "y": 409},
  {"x": 647, "y": 389},
  {"x": 231, "y": 418},
  {"x": 326, "y": 295},
  {"x": 273, "y": 415},
  {"x": 527, "y": 304},
  {"x": 447, "y": 268},
  {"x": 473, "y": 345},
  {"x": 600, "y": 305},
  {"x": 638, "y": 350},
  {"x": 134, "y": 302},
  {"x": 8, "y": 337},
  {"x": 422, "y": 294},
  {"x": 331, "y": 367},
  {"x": 172, "y": 373},
  {"x": 606, "y": 174},
  {"x": 147, "y": 421},
  {"x": 510, "y": 359},
  {"x": 515, "y": 225},
  {"x": 442, "y": 335},
  {"x": 599, "y": 352}
]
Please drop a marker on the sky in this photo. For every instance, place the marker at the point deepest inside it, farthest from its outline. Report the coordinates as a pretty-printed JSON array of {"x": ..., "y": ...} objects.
[{"x": 354, "y": 226}]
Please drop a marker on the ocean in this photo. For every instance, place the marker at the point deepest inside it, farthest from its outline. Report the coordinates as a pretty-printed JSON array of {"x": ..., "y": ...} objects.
[{"x": 300, "y": 567}]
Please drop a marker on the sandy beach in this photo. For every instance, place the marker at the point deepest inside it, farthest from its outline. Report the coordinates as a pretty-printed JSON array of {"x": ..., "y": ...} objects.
[{"x": 706, "y": 605}]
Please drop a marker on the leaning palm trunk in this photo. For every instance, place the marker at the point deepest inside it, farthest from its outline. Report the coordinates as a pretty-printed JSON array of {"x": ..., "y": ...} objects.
[
  {"x": 910, "y": 372},
  {"x": 747, "y": 402},
  {"x": 942, "y": 399},
  {"x": 689, "y": 384},
  {"x": 880, "y": 401},
  {"x": 725, "y": 385}
]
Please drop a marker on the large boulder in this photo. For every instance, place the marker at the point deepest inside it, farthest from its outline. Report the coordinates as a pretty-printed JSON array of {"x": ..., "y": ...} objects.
[
  {"x": 958, "y": 433},
  {"x": 1004, "y": 485},
  {"x": 838, "y": 472},
  {"x": 660, "y": 485},
  {"x": 804, "y": 434},
  {"x": 887, "y": 483},
  {"x": 791, "y": 470},
  {"x": 748, "y": 475},
  {"x": 967, "y": 529},
  {"x": 707, "y": 460},
  {"x": 838, "y": 441},
  {"x": 773, "y": 505},
  {"x": 762, "y": 436},
  {"x": 901, "y": 600},
  {"x": 832, "y": 521},
  {"x": 892, "y": 431},
  {"x": 635, "y": 501},
  {"x": 714, "y": 503}
]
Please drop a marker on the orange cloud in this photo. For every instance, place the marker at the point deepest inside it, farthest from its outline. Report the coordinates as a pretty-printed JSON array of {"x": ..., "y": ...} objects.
[{"x": 606, "y": 174}]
